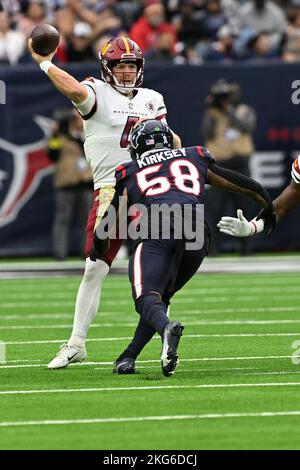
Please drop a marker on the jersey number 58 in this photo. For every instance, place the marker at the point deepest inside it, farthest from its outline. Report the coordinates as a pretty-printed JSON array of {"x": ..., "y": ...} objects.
[{"x": 162, "y": 184}]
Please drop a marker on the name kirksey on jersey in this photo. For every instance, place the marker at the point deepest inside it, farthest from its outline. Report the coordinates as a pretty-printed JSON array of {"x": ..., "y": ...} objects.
[{"x": 159, "y": 157}]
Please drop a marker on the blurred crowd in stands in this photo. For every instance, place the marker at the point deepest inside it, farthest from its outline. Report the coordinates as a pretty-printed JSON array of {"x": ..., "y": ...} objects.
[{"x": 173, "y": 31}]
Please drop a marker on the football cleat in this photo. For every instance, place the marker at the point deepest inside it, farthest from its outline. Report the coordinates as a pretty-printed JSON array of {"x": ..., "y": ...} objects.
[
  {"x": 124, "y": 366},
  {"x": 169, "y": 356},
  {"x": 68, "y": 355}
]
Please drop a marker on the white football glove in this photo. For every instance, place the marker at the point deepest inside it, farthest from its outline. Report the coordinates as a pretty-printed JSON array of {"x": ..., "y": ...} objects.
[{"x": 239, "y": 227}]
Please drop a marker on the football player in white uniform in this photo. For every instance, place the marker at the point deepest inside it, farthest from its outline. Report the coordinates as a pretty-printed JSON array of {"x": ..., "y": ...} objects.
[
  {"x": 284, "y": 204},
  {"x": 109, "y": 109}
]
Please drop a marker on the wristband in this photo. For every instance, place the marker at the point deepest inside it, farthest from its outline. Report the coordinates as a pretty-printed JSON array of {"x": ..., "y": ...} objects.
[
  {"x": 258, "y": 225},
  {"x": 45, "y": 65}
]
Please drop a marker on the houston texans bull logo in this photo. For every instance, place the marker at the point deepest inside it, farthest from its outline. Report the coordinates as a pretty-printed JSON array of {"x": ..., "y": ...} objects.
[{"x": 21, "y": 177}]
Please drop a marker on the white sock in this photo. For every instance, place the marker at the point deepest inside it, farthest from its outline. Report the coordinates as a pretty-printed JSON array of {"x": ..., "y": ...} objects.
[{"x": 87, "y": 301}]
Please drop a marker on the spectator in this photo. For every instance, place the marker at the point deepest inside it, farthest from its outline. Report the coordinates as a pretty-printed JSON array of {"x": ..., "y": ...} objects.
[
  {"x": 127, "y": 11},
  {"x": 34, "y": 14},
  {"x": 164, "y": 50},
  {"x": 146, "y": 29},
  {"x": 79, "y": 48},
  {"x": 260, "y": 47},
  {"x": 291, "y": 50},
  {"x": 188, "y": 23},
  {"x": 108, "y": 23},
  {"x": 72, "y": 181},
  {"x": 64, "y": 20},
  {"x": 223, "y": 49},
  {"x": 291, "y": 47},
  {"x": 227, "y": 129},
  {"x": 264, "y": 16},
  {"x": 12, "y": 43},
  {"x": 212, "y": 19}
]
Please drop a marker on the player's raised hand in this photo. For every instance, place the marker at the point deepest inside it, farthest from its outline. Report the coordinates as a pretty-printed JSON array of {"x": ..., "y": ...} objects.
[
  {"x": 37, "y": 57},
  {"x": 236, "y": 227}
]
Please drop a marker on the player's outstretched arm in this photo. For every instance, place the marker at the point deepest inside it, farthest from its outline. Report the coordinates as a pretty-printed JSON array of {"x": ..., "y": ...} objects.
[
  {"x": 62, "y": 80},
  {"x": 236, "y": 182},
  {"x": 287, "y": 200}
]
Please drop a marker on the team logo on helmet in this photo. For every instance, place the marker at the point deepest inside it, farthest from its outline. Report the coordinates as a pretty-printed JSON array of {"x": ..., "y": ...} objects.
[{"x": 148, "y": 135}]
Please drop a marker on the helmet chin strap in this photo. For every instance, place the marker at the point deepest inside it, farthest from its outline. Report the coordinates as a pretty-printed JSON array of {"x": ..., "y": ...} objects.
[{"x": 125, "y": 90}]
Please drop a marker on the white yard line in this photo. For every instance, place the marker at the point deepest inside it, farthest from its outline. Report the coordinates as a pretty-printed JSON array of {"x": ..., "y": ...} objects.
[
  {"x": 203, "y": 278},
  {"x": 233, "y": 289},
  {"x": 152, "y": 387},
  {"x": 206, "y": 311},
  {"x": 189, "y": 300},
  {"x": 127, "y": 338},
  {"x": 178, "y": 371},
  {"x": 156, "y": 361},
  {"x": 137, "y": 419},
  {"x": 185, "y": 292},
  {"x": 186, "y": 323},
  {"x": 110, "y": 364}
]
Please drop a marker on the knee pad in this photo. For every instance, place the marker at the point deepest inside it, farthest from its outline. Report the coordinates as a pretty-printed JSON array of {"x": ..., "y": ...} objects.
[
  {"x": 95, "y": 270},
  {"x": 146, "y": 300}
]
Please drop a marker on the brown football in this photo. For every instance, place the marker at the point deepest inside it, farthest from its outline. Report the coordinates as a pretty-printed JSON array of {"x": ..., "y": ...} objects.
[{"x": 45, "y": 39}]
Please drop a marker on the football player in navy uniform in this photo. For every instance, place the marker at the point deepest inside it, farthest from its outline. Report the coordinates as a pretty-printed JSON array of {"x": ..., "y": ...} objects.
[{"x": 161, "y": 265}]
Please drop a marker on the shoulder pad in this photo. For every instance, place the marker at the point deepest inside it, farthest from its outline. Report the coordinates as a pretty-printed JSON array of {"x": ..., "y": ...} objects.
[
  {"x": 122, "y": 172},
  {"x": 205, "y": 153},
  {"x": 296, "y": 170},
  {"x": 89, "y": 79}
]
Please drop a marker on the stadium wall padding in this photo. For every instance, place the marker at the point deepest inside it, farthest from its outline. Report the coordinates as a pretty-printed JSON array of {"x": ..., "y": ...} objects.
[{"x": 26, "y": 191}]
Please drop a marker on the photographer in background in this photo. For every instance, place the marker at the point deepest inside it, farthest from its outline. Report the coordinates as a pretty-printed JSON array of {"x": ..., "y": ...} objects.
[
  {"x": 73, "y": 181},
  {"x": 227, "y": 129}
]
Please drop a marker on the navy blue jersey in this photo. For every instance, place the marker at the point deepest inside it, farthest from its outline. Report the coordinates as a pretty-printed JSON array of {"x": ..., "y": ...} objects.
[{"x": 166, "y": 177}]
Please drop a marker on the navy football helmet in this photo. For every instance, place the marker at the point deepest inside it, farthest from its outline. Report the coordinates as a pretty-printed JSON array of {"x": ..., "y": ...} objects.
[{"x": 148, "y": 135}]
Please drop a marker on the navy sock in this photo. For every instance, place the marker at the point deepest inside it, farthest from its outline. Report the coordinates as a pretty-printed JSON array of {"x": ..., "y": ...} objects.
[
  {"x": 153, "y": 311},
  {"x": 143, "y": 334}
]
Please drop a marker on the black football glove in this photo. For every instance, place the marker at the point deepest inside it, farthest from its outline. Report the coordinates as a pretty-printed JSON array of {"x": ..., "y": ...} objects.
[
  {"x": 269, "y": 216},
  {"x": 99, "y": 248}
]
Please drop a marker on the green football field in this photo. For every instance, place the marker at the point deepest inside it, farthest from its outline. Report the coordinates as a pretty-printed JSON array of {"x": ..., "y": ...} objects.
[{"x": 237, "y": 385}]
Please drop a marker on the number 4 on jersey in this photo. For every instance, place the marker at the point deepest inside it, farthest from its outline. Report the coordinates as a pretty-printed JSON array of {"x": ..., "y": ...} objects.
[{"x": 131, "y": 120}]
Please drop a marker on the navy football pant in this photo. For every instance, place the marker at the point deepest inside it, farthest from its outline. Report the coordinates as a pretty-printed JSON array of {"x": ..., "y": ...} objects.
[
  {"x": 163, "y": 266},
  {"x": 159, "y": 266}
]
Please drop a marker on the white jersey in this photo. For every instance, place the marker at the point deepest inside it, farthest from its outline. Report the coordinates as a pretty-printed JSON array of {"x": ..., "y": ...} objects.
[
  {"x": 108, "y": 118},
  {"x": 296, "y": 170}
]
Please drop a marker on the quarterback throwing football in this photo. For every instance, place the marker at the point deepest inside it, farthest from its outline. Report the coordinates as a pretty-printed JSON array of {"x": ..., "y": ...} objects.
[{"x": 109, "y": 107}]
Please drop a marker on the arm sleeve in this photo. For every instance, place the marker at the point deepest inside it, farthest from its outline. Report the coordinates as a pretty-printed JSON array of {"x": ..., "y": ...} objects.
[
  {"x": 234, "y": 181},
  {"x": 87, "y": 106}
]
